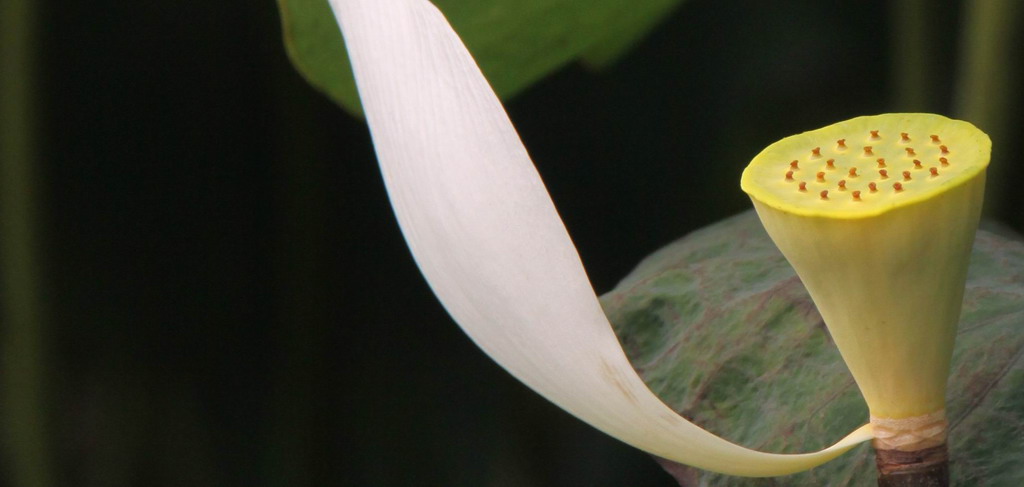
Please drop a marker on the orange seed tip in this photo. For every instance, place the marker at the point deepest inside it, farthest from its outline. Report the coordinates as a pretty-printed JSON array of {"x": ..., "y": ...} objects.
[{"x": 906, "y": 175}]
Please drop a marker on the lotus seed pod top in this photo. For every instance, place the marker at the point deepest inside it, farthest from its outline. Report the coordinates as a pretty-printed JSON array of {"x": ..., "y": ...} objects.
[
  {"x": 868, "y": 165},
  {"x": 877, "y": 215}
]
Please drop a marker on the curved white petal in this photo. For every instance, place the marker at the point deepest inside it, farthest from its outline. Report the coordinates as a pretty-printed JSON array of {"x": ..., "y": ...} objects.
[{"x": 489, "y": 241}]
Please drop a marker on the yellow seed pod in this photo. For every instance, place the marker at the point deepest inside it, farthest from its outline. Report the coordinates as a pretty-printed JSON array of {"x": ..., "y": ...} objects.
[{"x": 877, "y": 215}]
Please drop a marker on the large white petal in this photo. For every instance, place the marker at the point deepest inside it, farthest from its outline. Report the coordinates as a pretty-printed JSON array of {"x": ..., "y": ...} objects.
[{"x": 487, "y": 237}]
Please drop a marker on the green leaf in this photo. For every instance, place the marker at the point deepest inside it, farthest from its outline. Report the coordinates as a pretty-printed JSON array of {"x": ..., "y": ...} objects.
[
  {"x": 626, "y": 32},
  {"x": 515, "y": 42},
  {"x": 720, "y": 327}
]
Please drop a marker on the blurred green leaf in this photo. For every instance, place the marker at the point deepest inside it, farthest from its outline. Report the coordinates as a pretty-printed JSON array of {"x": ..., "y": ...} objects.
[
  {"x": 515, "y": 42},
  {"x": 626, "y": 32},
  {"x": 720, "y": 327}
]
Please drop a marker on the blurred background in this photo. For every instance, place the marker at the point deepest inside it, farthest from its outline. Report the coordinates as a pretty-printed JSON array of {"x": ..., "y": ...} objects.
[{"x": 203, "y": 283}]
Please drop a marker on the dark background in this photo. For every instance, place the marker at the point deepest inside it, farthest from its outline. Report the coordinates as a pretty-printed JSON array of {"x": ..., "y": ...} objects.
[{"x": 230, "y": 302}]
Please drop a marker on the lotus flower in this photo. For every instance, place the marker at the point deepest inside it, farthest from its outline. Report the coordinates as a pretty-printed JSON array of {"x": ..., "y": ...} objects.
[{"x": 489, "y": 241}]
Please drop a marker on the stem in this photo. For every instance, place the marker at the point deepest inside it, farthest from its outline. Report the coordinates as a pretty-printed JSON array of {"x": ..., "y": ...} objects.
[
  {"x": 302, "y": 313},
  {"x": 303, "y": 187},
  {"x": 921, "y": 468},
  {"x": 986, "y": 88},
  {"x": 22, "y": 351},
  {"x": 913, "y": 66}
]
